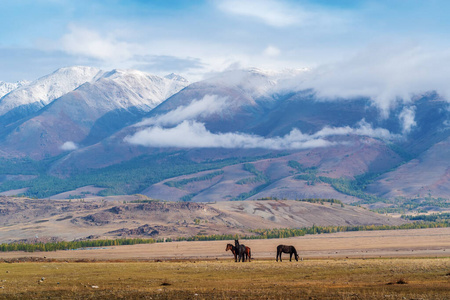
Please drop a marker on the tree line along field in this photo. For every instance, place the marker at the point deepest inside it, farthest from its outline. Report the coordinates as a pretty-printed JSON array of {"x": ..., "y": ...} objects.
[
  {"x": 275, "y": 233},
  {"x": 388, "y": 278}
]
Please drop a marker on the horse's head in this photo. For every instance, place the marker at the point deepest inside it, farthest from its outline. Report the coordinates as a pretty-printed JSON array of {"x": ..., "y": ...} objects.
[
  {"x": 296, "y": 256},
  {"x": 229, "y": 247}
]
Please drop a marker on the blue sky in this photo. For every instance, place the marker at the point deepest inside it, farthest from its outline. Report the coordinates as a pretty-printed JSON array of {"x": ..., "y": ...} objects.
[{"x": 197, "y": 38}]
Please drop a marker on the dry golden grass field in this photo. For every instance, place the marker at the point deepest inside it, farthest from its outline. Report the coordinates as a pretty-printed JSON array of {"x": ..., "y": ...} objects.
[
  {"x": 402, "y": 264},
  {"x": 393, "y": 278}
]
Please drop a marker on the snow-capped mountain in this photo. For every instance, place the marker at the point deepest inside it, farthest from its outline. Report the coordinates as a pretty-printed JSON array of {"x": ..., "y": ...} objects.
[
  {"x": 7, "y": 87},
  {"x": 145, "y": 90},
  {"x": 37, "y": 94},
  {"x": 89, "y": 113},
  {"x": 251, "y": 117}
]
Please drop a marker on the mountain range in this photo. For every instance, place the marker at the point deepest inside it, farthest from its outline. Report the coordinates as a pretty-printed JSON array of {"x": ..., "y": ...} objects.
[{"x": 241, "y": 134}]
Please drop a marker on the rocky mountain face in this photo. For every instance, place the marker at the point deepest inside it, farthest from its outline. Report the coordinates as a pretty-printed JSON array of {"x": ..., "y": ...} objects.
[{"x": 244, "y": 134}]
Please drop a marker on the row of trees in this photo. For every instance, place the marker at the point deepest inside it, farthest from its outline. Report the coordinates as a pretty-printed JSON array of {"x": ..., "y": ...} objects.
[
  {"x": 429, "y": 218},
  {"x": 259, "y": 176},
  {"x": 53, "y": 246},
  {"x": 183, "y": 182}
]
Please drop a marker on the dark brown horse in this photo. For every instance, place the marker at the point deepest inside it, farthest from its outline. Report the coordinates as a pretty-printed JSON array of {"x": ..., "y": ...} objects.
[
  {"x": 242, "y": 251},
  {"x": 248, "y": 252},
  {"x": 287, "y": 249}
]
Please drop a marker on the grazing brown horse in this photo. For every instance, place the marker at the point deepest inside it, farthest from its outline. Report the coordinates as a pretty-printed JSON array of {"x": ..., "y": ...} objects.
[
  {"x": 287, "y": 249},
  {"x": 246, "y": 255},
  {"x": 233, "y": 250}
]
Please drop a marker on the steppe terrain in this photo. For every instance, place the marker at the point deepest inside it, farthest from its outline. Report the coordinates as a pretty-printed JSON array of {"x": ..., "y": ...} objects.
[{"x": 401, "y": 264}]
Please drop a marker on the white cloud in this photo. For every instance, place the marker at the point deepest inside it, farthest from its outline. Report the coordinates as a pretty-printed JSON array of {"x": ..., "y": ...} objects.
[
  {"x": 68, "y": 146},
  {"x": 191, "y": 134},
  {"x": 387, "y": 75},
  {"x": 406, "y": 117},
  {"x": 363, "y": 128},
  {"x": 271, "y": 51},
  {"x": 273, "y": 13},
  {"x": 208, "y": 105},
  {"x": 90, "y": 43}
]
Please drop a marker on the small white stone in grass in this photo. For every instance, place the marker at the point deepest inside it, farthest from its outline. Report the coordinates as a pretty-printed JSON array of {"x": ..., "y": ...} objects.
[{"x": 94, "y": 286}]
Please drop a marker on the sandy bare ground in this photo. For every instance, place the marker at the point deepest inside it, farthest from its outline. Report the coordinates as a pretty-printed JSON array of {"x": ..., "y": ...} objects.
[{"x": 365, "y": 244}]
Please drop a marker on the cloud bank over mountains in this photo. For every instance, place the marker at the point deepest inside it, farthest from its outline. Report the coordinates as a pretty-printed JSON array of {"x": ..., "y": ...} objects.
[
  {"x": 192, "y": 134},
  {"x": 180, "y": 128},
  {"x": 387, "y": 76}
]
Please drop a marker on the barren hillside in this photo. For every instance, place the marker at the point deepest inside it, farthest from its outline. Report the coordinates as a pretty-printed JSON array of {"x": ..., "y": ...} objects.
[{"x": 28, "y": 219}]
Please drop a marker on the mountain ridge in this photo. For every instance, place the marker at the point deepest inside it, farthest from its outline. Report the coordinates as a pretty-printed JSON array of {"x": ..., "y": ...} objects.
[{"x": 138, "y": 131}]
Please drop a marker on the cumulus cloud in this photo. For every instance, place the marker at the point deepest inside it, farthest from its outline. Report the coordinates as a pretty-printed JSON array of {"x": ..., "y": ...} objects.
[
  {"x": 208, "y": 105},
  {"x": 192, "y": 134},
  {"x": 68, "y": 146},
  {"x": 90, "y": 43}
]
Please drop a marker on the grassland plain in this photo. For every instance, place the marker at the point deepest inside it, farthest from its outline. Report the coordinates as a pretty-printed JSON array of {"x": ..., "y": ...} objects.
[
  {"x": 385, "y": 278},
  {"x": 397, "y": 264}
]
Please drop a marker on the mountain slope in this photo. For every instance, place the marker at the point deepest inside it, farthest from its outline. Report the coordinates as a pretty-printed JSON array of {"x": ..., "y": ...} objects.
[
  {"x": 335, "y": 139},
  {"x": 424, "y": 176}
]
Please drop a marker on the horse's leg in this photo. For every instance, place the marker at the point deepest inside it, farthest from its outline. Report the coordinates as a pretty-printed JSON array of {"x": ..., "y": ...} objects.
[{"x": 290, "y": 256}]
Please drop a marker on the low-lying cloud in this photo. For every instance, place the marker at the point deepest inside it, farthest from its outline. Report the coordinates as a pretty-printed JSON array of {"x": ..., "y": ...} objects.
[
  {"x": 208, "y": 105},
  {"x": 192, "y": 134},
  {"x": 69, "y": 146},
  {"x": 407, "y": 119}
]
